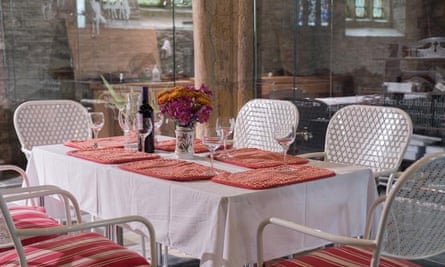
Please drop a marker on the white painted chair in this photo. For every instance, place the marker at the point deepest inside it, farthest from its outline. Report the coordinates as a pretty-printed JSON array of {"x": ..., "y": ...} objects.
[
  {"x": 46, "y": 122},
  {"x": 370, "y": 136},
  {"x": 256, "y": 120},
  {"x": 411, "y": 225},
  {"x": 80, "y": 246}
]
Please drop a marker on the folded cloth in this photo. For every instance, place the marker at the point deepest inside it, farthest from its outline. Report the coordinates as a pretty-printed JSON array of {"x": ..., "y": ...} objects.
[
  {"x": 106, "y": 142},
  {"x": 170, "y": 146},
  {"x": 272, "y": 177},
  {"x": 171, "y": 169},
  {"x": 111, "y": 155},
  {"x": 256, "y": 158}
]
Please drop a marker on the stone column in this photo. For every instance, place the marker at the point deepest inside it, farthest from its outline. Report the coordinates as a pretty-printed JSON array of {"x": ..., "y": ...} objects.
[{"x": 223, "y": 47}]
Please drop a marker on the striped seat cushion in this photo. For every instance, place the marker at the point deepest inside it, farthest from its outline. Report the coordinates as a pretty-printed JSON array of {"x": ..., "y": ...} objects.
[
  {"x": 340, "y": 257},
  {"x": 25, "y": 217},
  {"x": 80, "y": 250}
]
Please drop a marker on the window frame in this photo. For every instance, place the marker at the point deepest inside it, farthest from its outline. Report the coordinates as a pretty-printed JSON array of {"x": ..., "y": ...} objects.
[{"x": 369, "y": 21}]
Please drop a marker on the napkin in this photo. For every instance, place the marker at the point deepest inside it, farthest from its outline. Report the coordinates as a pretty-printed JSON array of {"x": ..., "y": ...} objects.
[
  {"x": 256, "y": 158},
  {"x": 170, "y": 145},
  {"x": 272, "y": 177},
  {"x": 111, "y": 155},
  {"x": 171, "y": 169},
  {"x": 106, "y": 142}
]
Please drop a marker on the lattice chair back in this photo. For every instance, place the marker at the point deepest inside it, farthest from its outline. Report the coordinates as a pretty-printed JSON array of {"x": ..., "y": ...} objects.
[
  {"x": 371, "y": 136},
  {"x": 256, "y": 120},
  {"x": 45, "y": 122},
  {"x": 413, "y": 219}
]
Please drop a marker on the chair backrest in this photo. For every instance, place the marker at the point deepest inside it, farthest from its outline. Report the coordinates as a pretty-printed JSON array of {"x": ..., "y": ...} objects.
[
  {"x": 46, "y": 122},
  {"x": 256, "y": 120},
  {"x": 370, "y": 136},
  {"x": 412, "y": 224}
]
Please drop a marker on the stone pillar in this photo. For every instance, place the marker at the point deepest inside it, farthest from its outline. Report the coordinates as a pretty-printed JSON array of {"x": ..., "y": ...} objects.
[{"x": 223, "y": 48}]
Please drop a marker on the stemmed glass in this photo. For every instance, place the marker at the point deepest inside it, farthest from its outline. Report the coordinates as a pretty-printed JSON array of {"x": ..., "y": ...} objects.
[
  {"x": 145, "y": 127},
  {"x": 225, "y": 126},
  {"x": 96, "y": 123},
  {"x": 284, "y": 135},
  {"x": 158, "y": 118},
  {"x": 212, "y": 139}
]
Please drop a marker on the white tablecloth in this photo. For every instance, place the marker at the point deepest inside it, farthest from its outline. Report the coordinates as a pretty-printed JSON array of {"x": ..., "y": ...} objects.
[{"x": 210, "y": 221}]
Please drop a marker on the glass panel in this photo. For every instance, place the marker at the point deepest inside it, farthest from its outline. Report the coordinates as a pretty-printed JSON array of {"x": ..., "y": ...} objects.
[
  {"x": 322, "y": 69},
  {"x": 312, "y": 12},
  {"x": 291, "y": 53},
  {"x": 377, "y": 9},
  {"x": 61, "y": 48},
  {"x": 325, "y": 12},
  {"x": 360, "y": 8}
]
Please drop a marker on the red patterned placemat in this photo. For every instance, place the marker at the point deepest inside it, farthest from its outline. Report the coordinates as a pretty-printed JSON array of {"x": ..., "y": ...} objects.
[
  {"x": 171, "y": 169},
  {"x": 256, "y": 158},
  {"x": 105, "y": 142},
  {"x": 272, "y": 177},
  {"x": 111, "y": 155},
  {"x": 170, "y": 146}
]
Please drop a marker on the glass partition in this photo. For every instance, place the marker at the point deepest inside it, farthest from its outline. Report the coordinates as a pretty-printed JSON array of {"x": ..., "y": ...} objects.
[
  {"x": 60, "y": 49},
  {"x": 324, "y": 54}
]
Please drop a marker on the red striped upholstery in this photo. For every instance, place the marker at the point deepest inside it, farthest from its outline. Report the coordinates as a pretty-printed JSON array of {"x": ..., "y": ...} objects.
[
  {"x": 340, "y": 257},
  {"x": 25, "y": 217},
  {"x": 79, "y": 250}
]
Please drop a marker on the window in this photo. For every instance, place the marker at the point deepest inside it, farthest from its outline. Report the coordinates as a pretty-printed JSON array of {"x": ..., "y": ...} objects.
[
  {"x": 314, "y": 12},
  {"x": 165, "y": 3},
  {"x": 368, "y": 13}
]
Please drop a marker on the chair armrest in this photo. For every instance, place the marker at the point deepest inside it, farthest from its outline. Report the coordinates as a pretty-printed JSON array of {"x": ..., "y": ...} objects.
[
  {"x": 385, "y": 172},
  {"x": 370, "y": 215},
  {"x": 25, "y": 193},
  {"x": 338, "y": 239},
  {"x": 313, "y": 155},
  {"x": 95, "y": 224},
  {"x": 16, "y": 169}
]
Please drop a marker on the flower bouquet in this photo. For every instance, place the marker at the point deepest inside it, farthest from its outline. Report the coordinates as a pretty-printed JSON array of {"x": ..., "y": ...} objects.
[{"x": 186, "y": 105}]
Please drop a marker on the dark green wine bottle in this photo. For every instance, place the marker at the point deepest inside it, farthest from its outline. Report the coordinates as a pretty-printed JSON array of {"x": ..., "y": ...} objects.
[{"x": 146, "y": 113}]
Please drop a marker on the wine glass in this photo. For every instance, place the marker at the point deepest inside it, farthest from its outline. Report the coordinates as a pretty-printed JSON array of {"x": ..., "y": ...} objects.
[
  {"x": 212, "y": 139},
  {"x": 158, "y": 118},
  {"x": 145, "y": 127},
  {"x": 225, "y": 126},
  {"x": 96, "y": 123},
  {"x": 284, "y": 135}
]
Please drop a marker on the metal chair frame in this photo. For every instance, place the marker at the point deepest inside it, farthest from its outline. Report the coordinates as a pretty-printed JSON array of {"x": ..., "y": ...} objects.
[{"x": 411, "y": 224}]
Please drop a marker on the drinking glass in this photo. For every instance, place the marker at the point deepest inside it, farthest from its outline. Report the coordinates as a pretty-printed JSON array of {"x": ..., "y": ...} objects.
[
  {"x": 284, "y": 135},
  {"x": 145, "y": 127},
  {"x": 212, "y": 139},
  {"x": 158, "y": 118},
  {"x": 96, "y": 123},
  {"x": 225, "y": 126}
]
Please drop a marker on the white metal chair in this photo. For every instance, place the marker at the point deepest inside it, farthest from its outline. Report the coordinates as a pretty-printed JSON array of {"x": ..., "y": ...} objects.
[
  {"x": 256, "y": 120},
  {"x": 73, "y": 244},
  {"x": 364, "y": 135},
  {"x": 46, "y": 122},
  {"x": 411, "y": 225}
]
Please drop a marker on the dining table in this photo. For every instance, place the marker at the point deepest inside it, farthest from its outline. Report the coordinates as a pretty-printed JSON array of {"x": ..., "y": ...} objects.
[{"x": 213, "y": 221}]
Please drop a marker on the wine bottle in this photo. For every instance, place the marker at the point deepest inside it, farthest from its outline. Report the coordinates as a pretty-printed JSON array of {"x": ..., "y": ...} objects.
[{"x": 146, "y": 113}]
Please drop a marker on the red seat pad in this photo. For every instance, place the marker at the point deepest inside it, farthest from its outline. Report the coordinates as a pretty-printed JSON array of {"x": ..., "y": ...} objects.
[
  {"x": 340, "y": 257},
  {"x": 80, "y": 250},
  {"x": 25, "y": 217}
]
